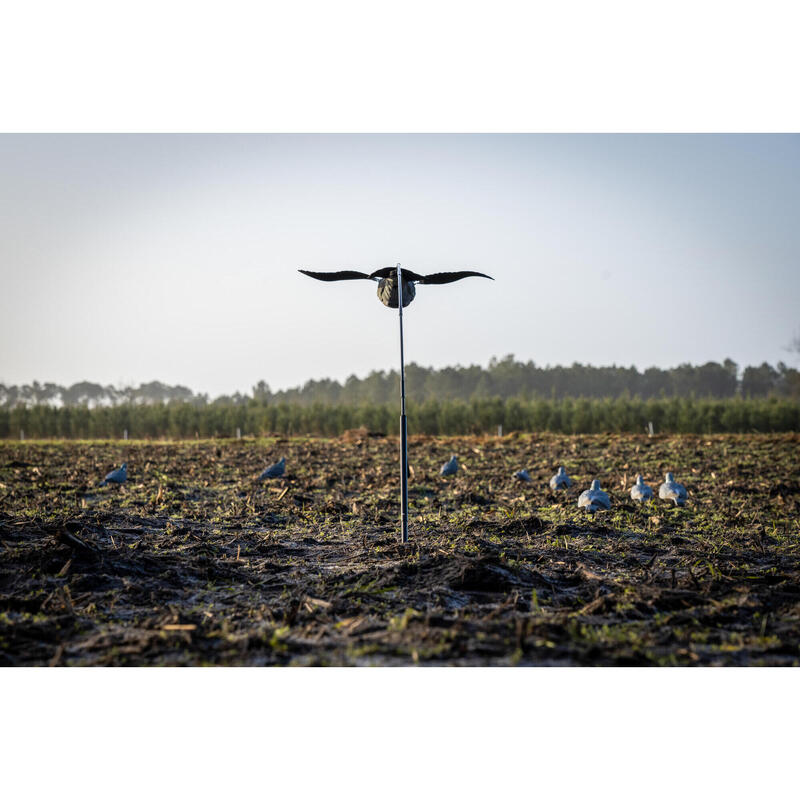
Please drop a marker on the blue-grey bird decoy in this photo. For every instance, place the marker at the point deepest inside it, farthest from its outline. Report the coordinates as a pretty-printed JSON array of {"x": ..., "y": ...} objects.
[
  {"x": 118, "y": 476},
  {"x": 387, "y": 281},
  {"x": 640, "y": 490},
  {"x": 522, "y": 475},
  {"x": 275, "y": 470},
  {"x": 594, "y": 498},
  {"x": 560, "y": 480},
  {"x": 450, "y": 467},
  {"x": 671, "y": 490}
]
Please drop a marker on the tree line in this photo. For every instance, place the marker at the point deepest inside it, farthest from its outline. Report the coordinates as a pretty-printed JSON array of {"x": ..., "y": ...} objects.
[
  {"x": 509, "y": 378},
  {"x": 434, "y": 417},
  {"x": 503, "y": 378}
]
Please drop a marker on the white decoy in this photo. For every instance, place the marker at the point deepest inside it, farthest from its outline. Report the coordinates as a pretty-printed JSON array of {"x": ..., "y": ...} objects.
[
  {"x": 640, "y": 490},
  {"x": 594, "y": 498},
  {"x": 560, "y": 480},
  {"x": 275, "y": 470},
  {"x": 450, "y": 467},
  {"x": 522, "y": 475},
  {"x": 118, "y": 476},
  {"x": 671, "y": 490}
]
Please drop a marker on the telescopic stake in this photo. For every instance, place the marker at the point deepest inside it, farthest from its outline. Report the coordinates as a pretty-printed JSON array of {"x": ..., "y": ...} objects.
[{"x": 403, "y": 425}]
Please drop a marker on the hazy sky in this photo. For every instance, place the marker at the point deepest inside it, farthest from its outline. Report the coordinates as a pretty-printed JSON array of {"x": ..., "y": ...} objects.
[{"x": 128, "y": 258}]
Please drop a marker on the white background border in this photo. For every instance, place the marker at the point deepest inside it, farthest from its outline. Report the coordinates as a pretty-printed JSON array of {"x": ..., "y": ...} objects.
[{"x": 412, "y": 66}]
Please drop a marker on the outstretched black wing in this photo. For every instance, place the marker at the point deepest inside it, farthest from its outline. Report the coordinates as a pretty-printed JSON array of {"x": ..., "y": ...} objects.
[
  {"x": 449, "y": 277},
  {"x": 342, "y": 275},
  {"x": 388, "y": 272}
]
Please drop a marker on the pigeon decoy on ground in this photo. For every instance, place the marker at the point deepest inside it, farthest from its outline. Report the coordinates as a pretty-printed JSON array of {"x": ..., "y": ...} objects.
[
  {"x": 275, "y": 470},
  {"x": 450, "y": 467},
  {"x": 522, "y": 475},
  {"x": 594, "y": 498},
  {"x": 118, "y": 476},
  {"x": 670, "y": 490},
  {"x": 640, "y": 490},
  {"x": 387, "y": 281},
  {"x": 560, "y": 480}
]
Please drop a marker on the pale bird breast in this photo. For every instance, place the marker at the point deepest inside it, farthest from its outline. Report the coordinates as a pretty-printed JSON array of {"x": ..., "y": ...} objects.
[{"x": 387, "y": 292}]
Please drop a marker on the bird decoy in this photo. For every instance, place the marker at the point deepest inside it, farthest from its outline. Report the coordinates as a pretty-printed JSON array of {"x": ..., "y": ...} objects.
[
  {"x": 640, "y": 490},
  {"x": 560, "y": 480},
  {"x": 117, "y": 476},
  {"x": 449, "y": 467},
  {"x": 275, "y": 470},
  {"x": 671, "y": 490},
  {"x": 594, "y": 498},
  {"x": 396, "y": 289},
  {"x": 522, "y": 475},
  {"x": 387, "y": 281}
]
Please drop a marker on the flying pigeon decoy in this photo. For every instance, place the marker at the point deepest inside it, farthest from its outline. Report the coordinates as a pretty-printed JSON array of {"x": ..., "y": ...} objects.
[
  {"x": 118, "y": 476},
  {"x": 640, "y": 490},
  {"x": 449, "y": 467},
  {"x": 594, "y": 498},
  {"x": 522, "y": 475},
  {"x": 560, "y": 480},
  {"x": 397, "y": 289},
  {"x": 670, "y": 490},
  {"x": 275, "y": 470},
  {"x": 387, "y": 281}
]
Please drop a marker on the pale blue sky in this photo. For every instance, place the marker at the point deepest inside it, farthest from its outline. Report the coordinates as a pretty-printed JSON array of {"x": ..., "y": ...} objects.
[{"x": 126, "y": 258}]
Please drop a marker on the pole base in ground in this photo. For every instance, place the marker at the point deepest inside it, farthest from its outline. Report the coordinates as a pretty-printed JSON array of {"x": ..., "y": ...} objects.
[{"x": 404, "y": 477}]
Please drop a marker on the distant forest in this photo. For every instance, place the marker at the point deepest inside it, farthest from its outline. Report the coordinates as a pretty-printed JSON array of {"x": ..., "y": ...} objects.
[
  {"x": 504, "y": 378},
  {"x": 712, "y": 398}
]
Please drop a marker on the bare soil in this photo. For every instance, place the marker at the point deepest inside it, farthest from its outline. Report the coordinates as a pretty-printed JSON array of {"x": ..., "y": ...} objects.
[{"x": 192, "y": 562}]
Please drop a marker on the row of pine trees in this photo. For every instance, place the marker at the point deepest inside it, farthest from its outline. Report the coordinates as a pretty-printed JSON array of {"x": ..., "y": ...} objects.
[{"x": 434, "y": 417}]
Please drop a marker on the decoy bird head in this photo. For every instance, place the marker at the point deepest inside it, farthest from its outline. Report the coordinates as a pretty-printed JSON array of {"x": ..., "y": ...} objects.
[
  {"x": 668, "y": 478},
  {"x": 387, "y": 281},
  {"x": 562, "y": 471},
  {"x": 639, "y": 480},
  {"x": 124, "y": 466},
  {"x": 595, "y": 485}
]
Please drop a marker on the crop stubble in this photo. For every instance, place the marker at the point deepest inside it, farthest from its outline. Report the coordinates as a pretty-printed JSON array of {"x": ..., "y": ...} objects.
[{"x": 192, "y": 562}]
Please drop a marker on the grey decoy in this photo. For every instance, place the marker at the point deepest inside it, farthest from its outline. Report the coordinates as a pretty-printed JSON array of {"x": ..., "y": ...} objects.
[
  {"x": 640, "y": 490},
  {"x": 275, "y": 470},
  {"x": 522, "y": 475},
  {"x": 387, "y": 281},
  {"x": 560, "y": 480},
  {"x": 594, "y": 498},
  {"x": 672, "y": 490},
  {"x": 450, "y": 467},
  {"x": 118, "y": 476}
]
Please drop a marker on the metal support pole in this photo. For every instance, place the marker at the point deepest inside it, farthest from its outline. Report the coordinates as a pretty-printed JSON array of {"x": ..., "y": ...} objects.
[{"x": 403, "y": 425}]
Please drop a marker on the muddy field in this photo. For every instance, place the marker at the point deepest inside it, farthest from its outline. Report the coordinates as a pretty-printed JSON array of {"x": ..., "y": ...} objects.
[{"x": 192, "y": 562}]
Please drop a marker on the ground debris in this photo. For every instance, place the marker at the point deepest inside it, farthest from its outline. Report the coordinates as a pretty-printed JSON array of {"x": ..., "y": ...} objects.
[{"x": 192, "y": 563}]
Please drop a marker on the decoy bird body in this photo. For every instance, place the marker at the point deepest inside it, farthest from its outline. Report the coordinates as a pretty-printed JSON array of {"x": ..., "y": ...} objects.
[
  {"x": 640, "y": 490},
  {"x": 450, "y": 467},
  {"x": 522, "y": 475},
  {"x": 387, "y": 291},
  {"x": 387, "y": 281},
  {"x": 671, "y": 490},
  {"x": 118, "y": 476},
  {"x": 594, "y": 498},
  {"x": 560, "y": 480},
  {"x": 275, "y": 470}
]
